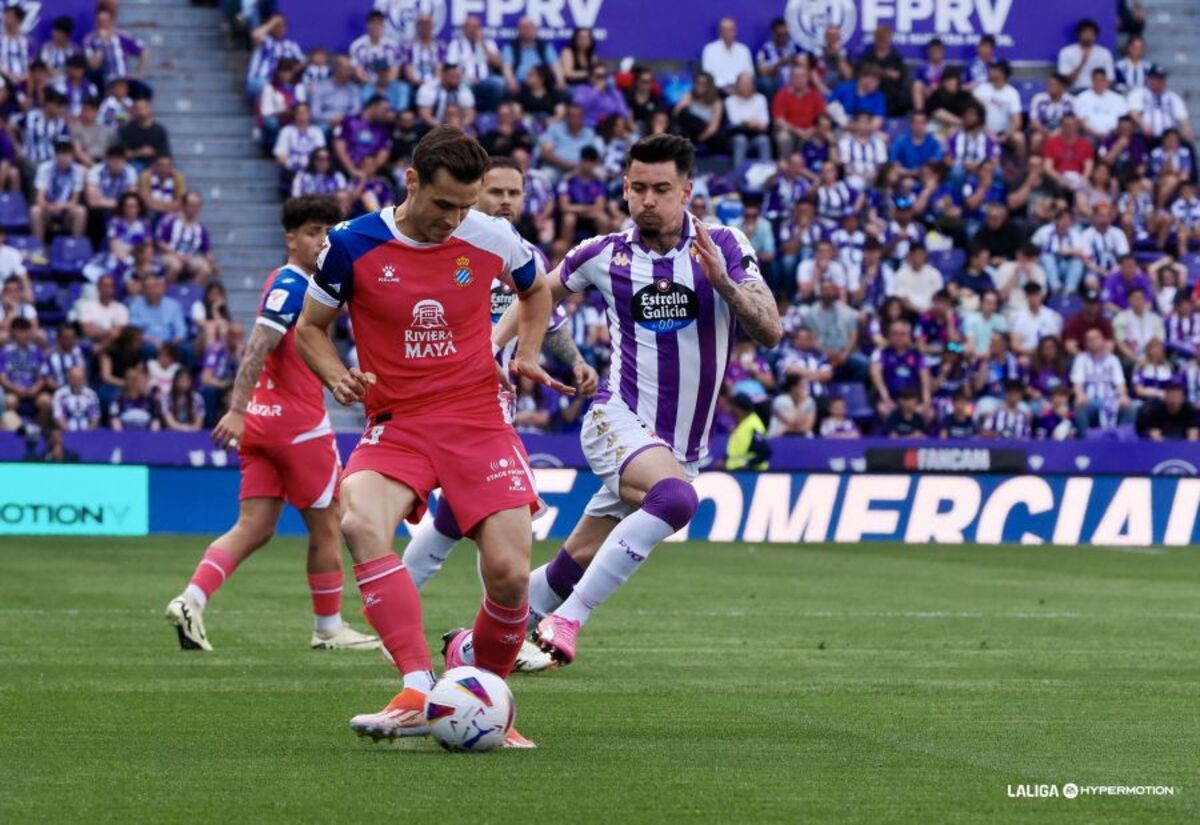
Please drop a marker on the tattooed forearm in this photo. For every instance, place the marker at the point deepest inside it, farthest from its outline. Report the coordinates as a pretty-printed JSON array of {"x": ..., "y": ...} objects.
[
  {"x": 754, "y": 306},
  {"x": 262, "y": 341},
  {"x": 561, "y": 345}
]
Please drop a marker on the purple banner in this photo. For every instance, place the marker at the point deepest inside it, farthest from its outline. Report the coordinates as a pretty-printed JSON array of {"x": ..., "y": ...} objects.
[
  {"x": 1026, "y": 30},
  {"x": 788, "y": 454}
]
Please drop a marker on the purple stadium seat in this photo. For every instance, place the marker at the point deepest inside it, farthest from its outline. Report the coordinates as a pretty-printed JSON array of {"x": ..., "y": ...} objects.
[
  {"x": 894, "y": 127},
  {"x": 30, "y": 247},
  {"x": 1027, "y": 87},
  {"x": 47, "y": 297},
  {"x": 14, "y": 211},
  {"x": 68, "y": 255},
  {"x": 1191, "y": 262},
  {"x": 949, "y": 262},
  {"x": 485, "y": 122},
  {"x": 186, "y": 294},
  {"x": 1065, "y": 305},
  {"x": 858, "y": 406}
]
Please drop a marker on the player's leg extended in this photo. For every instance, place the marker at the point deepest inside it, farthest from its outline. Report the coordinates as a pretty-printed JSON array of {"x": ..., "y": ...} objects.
[
  {"x": 505, "y": 540},
  {"x": 654, "y": 482},
  {"x": 553, "y": 582},
  {"x": 325, "y": 578},
  {"x": 431, "y": 544},
  {"x": 256, "y": 522}
]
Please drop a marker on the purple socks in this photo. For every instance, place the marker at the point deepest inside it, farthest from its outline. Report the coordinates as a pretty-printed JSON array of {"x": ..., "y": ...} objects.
[{"x": 563, "y": 573}]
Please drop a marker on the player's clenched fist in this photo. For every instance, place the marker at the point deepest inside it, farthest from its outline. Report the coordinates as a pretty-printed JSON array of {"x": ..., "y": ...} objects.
[{"x": 352, "y": 386}]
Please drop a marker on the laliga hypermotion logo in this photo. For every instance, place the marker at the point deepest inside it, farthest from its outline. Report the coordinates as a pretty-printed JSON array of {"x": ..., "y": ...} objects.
[
  {"x": 462, "y": 275},
  {"x": 807, "y": 21},
  {"x": 429, "y": 314}
]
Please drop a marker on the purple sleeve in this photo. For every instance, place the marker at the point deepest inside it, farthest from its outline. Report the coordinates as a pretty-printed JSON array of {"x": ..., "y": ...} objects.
[
  {"x": 205, "y": 243},
  {"x": 572, "y": 278},
  {"x": 164, "y": 229},
  {"x": 212, "y": 356},
  {"x": 739, "y": 257},
  {"x": 131, "y": 44}
]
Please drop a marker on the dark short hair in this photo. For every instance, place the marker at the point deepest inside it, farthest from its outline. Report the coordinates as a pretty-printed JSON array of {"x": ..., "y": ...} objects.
[
  {"x": 908, "y": 394},
  {"x": 1058, "y": 78},
  {"x": 452, "y": 149},
  {"x": 21, "y": 323},
  {"x": 64, "y": 24},
  {"x": 76, "y": 61},
  {"x": 1001, "y": 66},
  {"x": 504, "y": 162},
  {"x": 309, "y": 209},
  {"x": 375, "y": 14},
  {"x": 590, "y": 153},
  {"x": 1013, "y": 385},
  {"x": 989, "y": 39},
  {"x": 1085, "y": 24},
  {"x": 1029, "y": 250},
  {"x": 18, "y": 11},
  {"x": 661, "y": 149}
]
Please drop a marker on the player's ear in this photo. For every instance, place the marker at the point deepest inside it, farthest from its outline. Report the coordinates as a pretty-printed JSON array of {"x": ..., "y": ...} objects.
[
  {"x": 687, "y": 191},
  {"x": 625, "y": 186},
  {"x": 410, "y": 179}
]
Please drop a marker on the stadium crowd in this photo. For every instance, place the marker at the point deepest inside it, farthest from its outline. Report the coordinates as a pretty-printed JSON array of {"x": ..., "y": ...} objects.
[{"x": 955, "y": 252}]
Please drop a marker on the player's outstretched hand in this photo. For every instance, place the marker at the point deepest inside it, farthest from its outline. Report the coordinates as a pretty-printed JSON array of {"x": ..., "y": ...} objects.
[
  {"x": 586, "y": 379},
  {"x": 520, "y": 367},
  {"x": 352, "y": 386},
  {"x": 228, "y": 433},
  {"x": 712, "y": 261}
]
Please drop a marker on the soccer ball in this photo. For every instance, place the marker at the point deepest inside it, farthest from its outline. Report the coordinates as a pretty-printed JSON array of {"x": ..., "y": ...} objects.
[{"x": 470, "y": 710}]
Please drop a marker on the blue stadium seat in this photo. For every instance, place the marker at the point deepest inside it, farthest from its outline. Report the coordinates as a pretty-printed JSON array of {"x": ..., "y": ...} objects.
[
  {"x": 485, "y": 122},
  {"x": 1027, "y": 87},
  {"x": 949, "y": 262},
  {"x": 30, "y": 248},
  {"x": 14, "y": 211},
  {"x": 1065, "y": 305},
  {"x": 47, "y": 298},
  {"x": 68, "y": 254},
  {"x": 854, "y": 393},
  {"x": 186, "y": 294},
  {"x": 894, "y": 127},
  {"x": 1191, "y": 262}
]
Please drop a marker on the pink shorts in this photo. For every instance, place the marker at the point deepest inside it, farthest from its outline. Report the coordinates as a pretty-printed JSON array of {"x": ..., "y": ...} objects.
[
  {"x": 479, "y": 463},
  {"x": 304, "y": 475}
]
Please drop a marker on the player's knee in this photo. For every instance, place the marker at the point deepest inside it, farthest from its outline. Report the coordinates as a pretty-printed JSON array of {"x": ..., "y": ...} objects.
[
  {"x": 507, "y": 584},
  {"x": 673, "y": 500},
  {"x": 360, "y": 531}
]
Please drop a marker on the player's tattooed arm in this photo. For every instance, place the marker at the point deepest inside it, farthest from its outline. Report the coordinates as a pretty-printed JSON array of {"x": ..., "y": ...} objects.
[
  {"x": 228, "y": 432},
  {"x": 561, "y": 345},
  {"x": 750, "y": 301}
]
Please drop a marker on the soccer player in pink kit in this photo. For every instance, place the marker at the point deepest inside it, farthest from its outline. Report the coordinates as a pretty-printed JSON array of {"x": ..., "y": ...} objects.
[
  {"x": 417, "y": 280},
  {"x": 676, "y": 293},
  {"x": 286, "y": 445}
]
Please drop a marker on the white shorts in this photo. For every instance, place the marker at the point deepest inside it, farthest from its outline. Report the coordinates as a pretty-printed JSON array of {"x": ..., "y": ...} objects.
[{"x": 611, "y": 437}]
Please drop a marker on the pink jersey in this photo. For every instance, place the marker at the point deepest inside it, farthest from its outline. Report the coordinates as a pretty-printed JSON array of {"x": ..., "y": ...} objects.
[
  {"x": 288, "y": 403},
  {"x": 422, "y": 312}
]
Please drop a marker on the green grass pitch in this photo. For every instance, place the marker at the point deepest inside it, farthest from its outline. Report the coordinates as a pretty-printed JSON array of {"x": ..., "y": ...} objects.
[{"x": 726, "y": 683}]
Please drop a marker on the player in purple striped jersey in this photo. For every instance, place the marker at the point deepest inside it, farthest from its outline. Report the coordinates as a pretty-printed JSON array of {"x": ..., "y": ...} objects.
[
  {"x": 676, "y": 292},
  {"x": 502, "y": 196}
]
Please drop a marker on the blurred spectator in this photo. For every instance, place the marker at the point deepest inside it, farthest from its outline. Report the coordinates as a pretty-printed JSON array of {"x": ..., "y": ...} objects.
[
  {"x": 563, "y": 141},
  {"x": 91, "y": 137},
  {"x": 58, "y": 195},
  {"x": 1101, "y": 397},
  {"x": 998, "y": 235},
  {"x": 1103, "y": 244},
  {"x": 643, "y": 99},
  {"x": 1132, "y": 69},
  {"x": 906, "y": 420},
  {"x": 1048, "y": 371},
  {"x": 996, "y": 366},
  {"x": 1172, "y": 419},
  {"x": 899, "y": 368},
  {"x": 1057, "y": 422},
  {"x": 134, "y": 408},
  {"x": 977, "y": 69},
  {"x": 1014, "y": 277},
  {"x": 361, "y": 135},
  {"x": 1157, "y": 109},
  {"x": 184, "y": 243},
  {"x": 375, "y": 54},
  {"x": 834, "y": 62},
  {"x": 761, "y": 235},
  {"x": 297, "y": 141},
  {"x": 749, "y": 120},
  {"x": 124, "y": 352},
  {"x": 700, "y": 115},
  {"x": 117, "y": 106},
  {"x": 835, "y": 197},
  {"x": 949, "y": 100},
  {"x": 159, "y": 316},
  {"x": 795, "y": 108},
  {"x": 1099, "y": 108},
  {"x": 725, "y": 58},
  {"x": 803, "y": 360},
  {"x": 210, "y": 315},
  {"x": 65, "y": 355},
  {"x": 892, "y": 72},
  {"x": 1077, "y": 61},
  {"x": 823, "y": 267},
  {"x": 40, "y": 129},
  {"x": 21, "y": 377},
  {"x": 339, "y": 97},
  {"x": 1118, "y": 285},
  {"x": 1034, "y": 321},
  {"x": 1170, "y": 164},
  {"x": 862, "y": 151},
  {"x": 1062, "y": 253},
  {"x": 1089, "y": 318},
  {"x": 373, "y": 191},
  {"x": 104, "y": 317},
  {"x": 1136, "y": 326},
  {"x": 108, "y": 182},
  {"x": 578, "y": 57},
  {"x": 76, "y": 405},
  {"x": 508, "y": 135},
  {"x": 979, "y": 327},
  {"x": 776, "y": 57},
  {"x": 599, "y": 99},
  {"x": 916, "y": 147},
  {"x": 929, "y": 74},
  {"x": 527, "y": 53},
  {"x": 836, "y": 424},
  {"x": 861, "y": 95},
  {"x": 60, "y": 48},
  {"x": 436, "y": 96},
  {"x": 143, "y": 137},
  {"x": 539, "y": 99},
  {"x": 917, "y": 281},
  {"x": 270, "y": 46},
  {"x": 1185, "y": 219},
  {"x": 1047, "y": 109},
  {"x": 1182, "y": 327},
  {"x": 182, "y": 408},
  {"x": 1010, "y": 420},
  {"x": 75, "y": 86},
  {"x": 162, "y": 186},
  {"x": 971, "y": 147},
  {"x": 793, "y": 411},
  {"x": 320, "y": 178},
  {"x": 11, "y": 262},
  {"x": 111, "y": 52},
  {"x": 479, "y": 59},
  {"x": 219, "y": 370},
  {"x": 747, "y": 448},
  {"x": 37, "y": 86},
  {"x": 278, "y": 98},
  {"x": 425, "y": 56},
  {"x": 938, "y": 330},
  {"x": 581, "y": 200},
  {"x": 1152, "y": 373},
  {"x": 959, "y": 421},
  {"x": 1069, "y": 155}
]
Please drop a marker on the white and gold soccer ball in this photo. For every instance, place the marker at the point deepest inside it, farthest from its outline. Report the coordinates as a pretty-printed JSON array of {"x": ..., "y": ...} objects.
[{"x": 470, "y": 710}]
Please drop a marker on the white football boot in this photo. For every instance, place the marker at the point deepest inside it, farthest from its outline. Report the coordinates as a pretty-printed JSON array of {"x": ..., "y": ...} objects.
[{"x": 187, "y": 617}]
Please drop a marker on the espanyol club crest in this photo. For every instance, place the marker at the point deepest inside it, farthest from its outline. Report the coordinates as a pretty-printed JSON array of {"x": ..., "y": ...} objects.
[{"x": 462, "y": 275}]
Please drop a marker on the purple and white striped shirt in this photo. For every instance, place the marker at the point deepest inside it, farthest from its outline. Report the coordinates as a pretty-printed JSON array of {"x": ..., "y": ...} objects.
[
  {"x": 1183, "y": 331},
  {"x": 374, "y": 58},
  {"x": 76, "y": 411},
  {"x": 671, "y": 332},
  {"x": 1048, "y": 112},
  {"x": 1008, "y": 423},
  {"x": 268, "y": 54},
  {"x": 14, "y": 54},
  {"x": 965, "y": 147},
  {"x": 118, "y": 50},
  {"x": 55, "y": 57},
  {"x": 183, "y": 237}
]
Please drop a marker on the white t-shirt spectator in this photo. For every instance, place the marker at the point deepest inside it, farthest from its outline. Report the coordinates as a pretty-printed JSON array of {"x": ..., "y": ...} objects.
[
  {"x": 1070, "y": 56},
  {"x": 298, "y": 144},
  {"x": 806, "y": 274},
  {"x": 725, "y": 63},
  {"x": 783, "y": 405},
  {"x": 11, "y": 262},
  {"x": 437, "y": 97},
  {"x": 1100, "y": 113},
  {"x": 1105, "y": 248},
  {"x": 752, "y": 109},
  {"x": 1050, "y": 242},
  {"x": 1138, "y": 330},
  {"x": 1100, "y": 377},
  {"x": 58, "y": 185},
  {"x": 917, "y": 286},
  {"x": 1158, "y": 113},
  {"x": 1029, "y": 328},
  {"x": 863, "y": 158},
  {"x": 1001, "y": 106},
  {"x": 106, "y": 318},
  {"x": 472, "y": 58}
]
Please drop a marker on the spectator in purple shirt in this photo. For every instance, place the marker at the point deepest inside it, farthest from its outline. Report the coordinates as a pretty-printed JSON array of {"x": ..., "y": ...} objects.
[
  {"x": 361, "y": 135},
  {"x": 113, "y": 53},
  {"x": 582, "y": 201},
  {"x": 134, "y": 408},
  {"x": 182, "y": 408},
  {"x": 76, "y": 405},
  {"x": 898, "y": 367},
  {"x": 1125, "y": 150},
  {"x": 600, "y": 99},
  {"x": 220, "y": 368},
  {"x": 1117, "y": 285},
  {"x": 21, "y": 373}
]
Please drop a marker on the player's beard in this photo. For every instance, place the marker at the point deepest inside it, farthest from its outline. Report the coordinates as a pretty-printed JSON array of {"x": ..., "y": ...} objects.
[{"x": 653, "y": 229}]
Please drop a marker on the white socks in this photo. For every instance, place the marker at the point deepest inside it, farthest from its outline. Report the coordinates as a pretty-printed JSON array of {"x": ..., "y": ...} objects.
[
  {"x": 327, "y": 624},
  {"x": 426, "y": 553},
  {"x": 627, "y": 546},
  {"x": 422, "y": 680},
  {"x": 542, "y": 599},
  {"x": 196, "y": 594}
]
